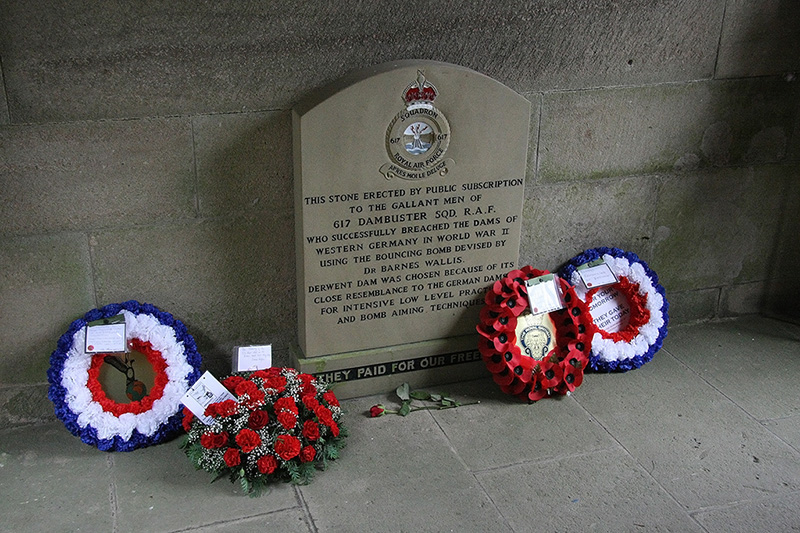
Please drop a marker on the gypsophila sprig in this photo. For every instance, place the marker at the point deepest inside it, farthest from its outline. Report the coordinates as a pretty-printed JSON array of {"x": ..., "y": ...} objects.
[{"x": 283, "y": 425}]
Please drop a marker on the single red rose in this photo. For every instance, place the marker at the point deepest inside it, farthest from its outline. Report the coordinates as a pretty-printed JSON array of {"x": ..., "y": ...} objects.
[
  {"x": 258, "y": 419},
  {"x": 286, "y": 404},
  {"x": 330, "y": 397},
  {"x": 248, "y": 440},
  {"x": 232, "y": 457},
  {"x": 231, "y": 382},
  {"x": 310, "y": 401},
  {"x": 335, "y": 429},
  {"x": 376, "y": 411},
  {"x": 307, "y": 454},
  {"x": 287, "y": 447},
  {"x": 310, "y": 430},
  {"x": 287, "y": 419},
  {"x": 267, "y": 464},
  {"x": 188, "y": 416},
  {"x": 324, "y": 415}
]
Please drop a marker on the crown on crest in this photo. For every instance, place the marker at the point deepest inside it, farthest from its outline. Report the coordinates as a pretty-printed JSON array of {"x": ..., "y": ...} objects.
[{"x": 420, "y": 90}]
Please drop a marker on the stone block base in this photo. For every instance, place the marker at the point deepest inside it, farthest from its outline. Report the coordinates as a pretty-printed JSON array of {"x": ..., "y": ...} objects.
[{"x": 380, "y": 370}]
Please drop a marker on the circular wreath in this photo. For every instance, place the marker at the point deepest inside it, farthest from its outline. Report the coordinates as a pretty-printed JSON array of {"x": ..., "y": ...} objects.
[
  {"x": 533, "y": 376},
  {"x": 282, "y": 425},
  {"x": 632, "y": 344},
  {"x": 82, "y": 404}
]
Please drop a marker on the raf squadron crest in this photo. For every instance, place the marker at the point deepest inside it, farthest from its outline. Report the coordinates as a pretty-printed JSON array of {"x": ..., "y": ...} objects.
[{"x": 418, "y": 137}]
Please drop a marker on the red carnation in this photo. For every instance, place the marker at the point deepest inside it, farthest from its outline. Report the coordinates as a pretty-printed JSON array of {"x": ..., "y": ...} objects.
[
  {"x": 330, "y": 397},
  {"x": 287, "y": 419},
  {"x": 232, "y": 457},
  {"x": 310, "y": 430},
  {"x": 214, "y": 440},
  {"x": 286, "y": 404},
  {"x": 275, "y": 382},
  {"x": 287, "y": 447},
  {"x": 335, "y": 429},
  {"x": 258, "y": 419},
  {"x": 310, "y": 401},
  {"x": 248, "y": 440},
  {"x": 224, "y": 408},
  {"x": 259, "y": 374},
  {"x": 307, "y": 454},
  {"x": 267, "y": 464},
  {"x": 324, "y": 415},
  {"x": 246, "y": 387},
  {"x": 231, "y": 382},
  {"x": 188, "y": 416}
]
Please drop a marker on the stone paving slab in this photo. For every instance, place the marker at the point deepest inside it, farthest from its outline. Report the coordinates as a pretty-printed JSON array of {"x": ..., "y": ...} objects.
[
  {"x": 773, "y": 514},
  {"x": 51, "y": 481},
  {"x": 746, "y": 361},
  {"x": 700, "y": 446},
  {"x": 605, "y": 491},
  {"x": 289, "y": 521},
  {"x": 502, "y": 431},
  {"x": 157, "y": 489},
  {"x": 398, "y": 474}
]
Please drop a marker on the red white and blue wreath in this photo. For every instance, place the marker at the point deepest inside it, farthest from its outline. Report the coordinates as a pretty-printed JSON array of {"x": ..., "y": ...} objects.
[
  {"x": 82, "y": 404},
  {"x": 554, "y": 362},
  {"x": 641, "y": 316}
]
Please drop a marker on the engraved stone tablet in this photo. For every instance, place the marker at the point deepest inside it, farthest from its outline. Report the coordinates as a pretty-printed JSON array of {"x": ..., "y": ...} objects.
[{"x": 409, "y": 181}]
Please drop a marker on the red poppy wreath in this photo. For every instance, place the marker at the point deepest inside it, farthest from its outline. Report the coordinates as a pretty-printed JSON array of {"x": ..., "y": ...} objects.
[{"x": 534, "y": 356}]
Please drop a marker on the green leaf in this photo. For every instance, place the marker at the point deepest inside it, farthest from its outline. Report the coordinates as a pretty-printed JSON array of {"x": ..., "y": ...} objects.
[
  {"x": 436, "y": 397},
  {"x": 447, "y": 402},
  {"x": 421, "y": 395},
  {"x": 402, "y": 392},
  {"x": 405, "y": 408}
]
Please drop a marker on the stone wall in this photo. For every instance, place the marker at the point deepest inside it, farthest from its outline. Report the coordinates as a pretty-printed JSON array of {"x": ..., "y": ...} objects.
[{"x": 145, "y": 151}]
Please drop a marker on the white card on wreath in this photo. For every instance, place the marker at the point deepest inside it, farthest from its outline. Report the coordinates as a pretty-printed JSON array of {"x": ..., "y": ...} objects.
[
  {"x": 251, "y": 358},
  {"x": 544, "y": 294},
  {"x": 105, "y": 338},
  {"x": 204, "y": 392},
  {"x": 597, "y": 275}
]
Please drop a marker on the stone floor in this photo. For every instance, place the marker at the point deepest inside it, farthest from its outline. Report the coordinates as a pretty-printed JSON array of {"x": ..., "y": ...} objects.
[{"x": 706, "y": 437}]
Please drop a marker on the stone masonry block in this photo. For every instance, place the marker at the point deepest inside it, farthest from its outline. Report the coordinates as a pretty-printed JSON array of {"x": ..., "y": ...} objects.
[
  {"x": 244, "y": 162},
  {"x": 617, "y": 132},
  {"x": 45, "y": 284},
  {"x": 231, "y": 281},
  {"x": 742, "y": 299},
  {"x": 759, "y": 38},
  {"x": 782, "y": 290},
  {"x": 692, "y": 306},
  {"x": 83, "y": 175},
  {"x": 4, "y": 117},
  {"x": 81, "y": 60},
  {"x": 719, "y": 227},
  {"x": 560, "y": 221}
]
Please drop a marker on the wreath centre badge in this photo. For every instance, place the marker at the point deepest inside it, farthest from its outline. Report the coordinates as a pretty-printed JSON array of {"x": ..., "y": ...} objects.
[{"x": 418, "y": 136}]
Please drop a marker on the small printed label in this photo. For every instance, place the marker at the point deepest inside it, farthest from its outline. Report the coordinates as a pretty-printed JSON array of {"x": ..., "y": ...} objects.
[
  {"x": 102, "y": 337},
  {"x": 544, "y": 295},
  {"x": 204, "y": 392},
  {"x": 250, "y": 358},
  {"x": 610, "y": 310},
  {"x": 597, "y": 275}
]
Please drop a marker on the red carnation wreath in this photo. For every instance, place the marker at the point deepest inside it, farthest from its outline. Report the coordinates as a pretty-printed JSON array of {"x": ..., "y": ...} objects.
[{"x": 534, "y": 356}]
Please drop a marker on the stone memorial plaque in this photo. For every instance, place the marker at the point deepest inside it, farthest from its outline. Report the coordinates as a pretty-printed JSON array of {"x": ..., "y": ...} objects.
[{"x": 409, "y": 182}]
